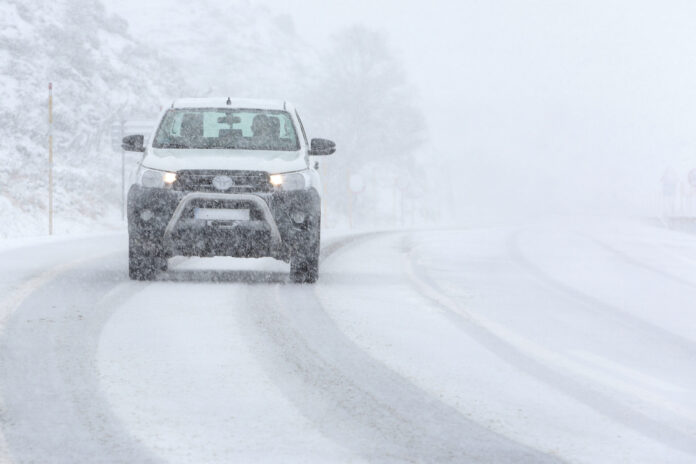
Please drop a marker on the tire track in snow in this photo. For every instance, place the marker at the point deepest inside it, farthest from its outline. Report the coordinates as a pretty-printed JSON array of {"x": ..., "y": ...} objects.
[
  {"x": 628, "y": 259},
  {"x": 598, "y": 307},
  {"x": 56, "y": 409},
  {"x": 501, "y": 342},
  {"x": 354, "y": 399},
  {"x": 13, "y": 301}
]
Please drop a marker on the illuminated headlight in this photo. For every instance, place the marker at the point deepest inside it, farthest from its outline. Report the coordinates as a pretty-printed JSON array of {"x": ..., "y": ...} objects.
[
  {"x": 156, "y": 179},
  {"x": 290, "y": 181}
]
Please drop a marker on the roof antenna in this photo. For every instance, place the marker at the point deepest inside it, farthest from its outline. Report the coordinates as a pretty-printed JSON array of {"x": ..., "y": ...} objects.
[{"x": 229, "y": 101}]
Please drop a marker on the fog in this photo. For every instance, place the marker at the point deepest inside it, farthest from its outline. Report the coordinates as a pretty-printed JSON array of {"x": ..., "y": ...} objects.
[
  {"x": 451, "y": 113},
  {"x": 545, "y": 105},
  {"x": 558, "y": 105},
  {"x": 535, "y": 106}
]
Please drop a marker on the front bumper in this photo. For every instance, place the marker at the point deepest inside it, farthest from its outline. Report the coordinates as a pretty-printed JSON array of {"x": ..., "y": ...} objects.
[{"x": 166, "y": 217}]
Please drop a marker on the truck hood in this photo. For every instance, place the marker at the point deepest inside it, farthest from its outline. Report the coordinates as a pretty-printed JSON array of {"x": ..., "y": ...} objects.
[{"x": 174, "y": 160}]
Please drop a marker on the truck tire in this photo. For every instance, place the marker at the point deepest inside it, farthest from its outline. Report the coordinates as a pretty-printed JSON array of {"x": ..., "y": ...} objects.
[
  {"x": 304, "y": 264},
  {"x": 144, "y": 260}
]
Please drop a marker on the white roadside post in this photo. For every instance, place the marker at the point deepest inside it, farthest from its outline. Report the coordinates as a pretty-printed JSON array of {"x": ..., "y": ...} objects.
[
  {"x": 401, "y": 186},
  {"x": 355, "y": 185},
  {"x": 350, "y": 203},
  {"x": 692, "y": 193},
  {"x": 50, "y": 158}
]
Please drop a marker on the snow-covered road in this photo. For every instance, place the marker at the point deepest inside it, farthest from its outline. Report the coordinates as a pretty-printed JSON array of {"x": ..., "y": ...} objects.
[{"x": 569, "y": 341}]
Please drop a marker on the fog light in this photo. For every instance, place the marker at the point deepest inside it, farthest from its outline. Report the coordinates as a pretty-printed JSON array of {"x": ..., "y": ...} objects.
[
  {"x": 298, "y": 217},
  {"x": 146, "y": 215}
]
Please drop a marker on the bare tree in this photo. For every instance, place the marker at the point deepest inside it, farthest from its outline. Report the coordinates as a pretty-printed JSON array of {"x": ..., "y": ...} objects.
[{"x": 361, "y": 98}]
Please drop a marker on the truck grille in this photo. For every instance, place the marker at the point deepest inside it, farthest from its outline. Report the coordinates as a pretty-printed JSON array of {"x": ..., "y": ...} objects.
[{"x": 241, "y": 181}]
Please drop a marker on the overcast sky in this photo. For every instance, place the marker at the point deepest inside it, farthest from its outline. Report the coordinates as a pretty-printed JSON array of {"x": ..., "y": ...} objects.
[
  {"x": 578, "y": 103},
  {"x": 563, "y": 97}
]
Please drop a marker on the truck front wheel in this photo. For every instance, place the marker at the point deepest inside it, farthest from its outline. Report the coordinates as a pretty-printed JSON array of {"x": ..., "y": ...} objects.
[
  {"x": 304, "y": 264},
  {"x": 144, "y": 260}
]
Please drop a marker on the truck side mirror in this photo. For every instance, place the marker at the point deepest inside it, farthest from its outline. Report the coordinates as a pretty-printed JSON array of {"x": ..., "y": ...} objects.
[
  {"x": 133, "y": 143},
  {"x": 322, "y": 147}
]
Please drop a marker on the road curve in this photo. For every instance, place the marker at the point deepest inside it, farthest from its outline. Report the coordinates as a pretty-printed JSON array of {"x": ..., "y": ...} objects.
[{"x": 409, "y": 349}]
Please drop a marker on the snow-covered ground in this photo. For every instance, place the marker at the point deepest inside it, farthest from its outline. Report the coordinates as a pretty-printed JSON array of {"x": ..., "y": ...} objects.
[{"x": 564, "y": 340}]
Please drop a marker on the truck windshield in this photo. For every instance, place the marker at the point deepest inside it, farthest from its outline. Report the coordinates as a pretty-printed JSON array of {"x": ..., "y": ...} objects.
[{"x": 243, "y": 129}]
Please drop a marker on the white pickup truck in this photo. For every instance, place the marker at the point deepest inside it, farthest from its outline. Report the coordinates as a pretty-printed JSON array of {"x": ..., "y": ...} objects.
[{"x": 226, "y": 177}]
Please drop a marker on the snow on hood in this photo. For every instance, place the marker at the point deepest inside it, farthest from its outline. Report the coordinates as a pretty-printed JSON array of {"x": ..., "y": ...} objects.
[{"x": 174, "y": 160}]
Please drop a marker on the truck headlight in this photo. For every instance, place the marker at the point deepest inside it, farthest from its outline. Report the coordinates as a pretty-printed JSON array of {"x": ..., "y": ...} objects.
[
  {"x": 290, "y": 180},
  {"x": 152, "y": 178}
]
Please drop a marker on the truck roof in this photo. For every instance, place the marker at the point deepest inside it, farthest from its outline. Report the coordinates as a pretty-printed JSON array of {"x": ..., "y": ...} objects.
[{"x": 222, "y": 102}]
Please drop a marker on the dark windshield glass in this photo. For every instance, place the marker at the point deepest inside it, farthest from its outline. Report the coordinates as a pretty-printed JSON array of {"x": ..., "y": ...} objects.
[{"x": 221, "y": 128}]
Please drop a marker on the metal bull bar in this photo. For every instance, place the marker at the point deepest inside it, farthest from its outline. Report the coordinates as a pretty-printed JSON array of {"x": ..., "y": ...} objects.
[{"x": 258, "y": 202}]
